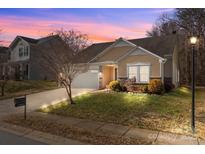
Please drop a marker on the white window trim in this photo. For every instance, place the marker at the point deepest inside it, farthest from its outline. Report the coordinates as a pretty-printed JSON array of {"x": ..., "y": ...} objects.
[{"x": 139, "y": 64}]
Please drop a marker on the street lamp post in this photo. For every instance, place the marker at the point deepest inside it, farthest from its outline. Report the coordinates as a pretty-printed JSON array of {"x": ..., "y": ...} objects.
[{"x": 193, "y": 41}]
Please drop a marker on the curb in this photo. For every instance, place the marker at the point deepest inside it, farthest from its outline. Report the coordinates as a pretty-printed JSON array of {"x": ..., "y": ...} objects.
[{"x": 38, "y": 136}]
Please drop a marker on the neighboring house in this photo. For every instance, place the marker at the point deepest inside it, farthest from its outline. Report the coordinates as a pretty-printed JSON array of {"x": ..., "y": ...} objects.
[
  {"x": 25, "y": 57},
  {"x": 3, "y": 59},
  {"x": 144, "y": 59}
]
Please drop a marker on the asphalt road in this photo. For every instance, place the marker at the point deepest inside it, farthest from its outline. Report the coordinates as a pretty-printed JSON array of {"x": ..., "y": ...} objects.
[{"x": 12, "y": 139}]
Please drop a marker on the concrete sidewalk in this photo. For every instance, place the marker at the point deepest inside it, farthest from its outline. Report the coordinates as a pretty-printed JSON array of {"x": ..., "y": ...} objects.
[{"x": 155, "y": 137}]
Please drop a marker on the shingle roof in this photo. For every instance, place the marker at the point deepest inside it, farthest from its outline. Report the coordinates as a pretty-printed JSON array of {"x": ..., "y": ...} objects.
[
  {"x": 3, "y": 49},
  {"x": 37, "y": 41},
  {"x": 29, "y": 40},
  {"x": 162, "y": 45}
]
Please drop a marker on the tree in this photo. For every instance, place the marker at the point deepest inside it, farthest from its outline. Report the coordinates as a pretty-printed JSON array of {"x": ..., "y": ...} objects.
[
  {"x": 191, "y": 20},
  {"x": 58, "y": 59},
  {"x": 188, "y": 22},
  {"x": 76, "y": 40},
  {"x": 4, "y": 78},
  {"x": 163, "y": 26}
]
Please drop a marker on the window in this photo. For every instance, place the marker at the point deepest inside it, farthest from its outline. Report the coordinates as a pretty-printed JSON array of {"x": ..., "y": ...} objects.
[
  {"x": 132, "y": 72},
  {"x": 144, "y": 73},
  {"x": 20, "y": 51},
  {"x": 140, "y": 72},
  {"x": 23, "y": 51}
]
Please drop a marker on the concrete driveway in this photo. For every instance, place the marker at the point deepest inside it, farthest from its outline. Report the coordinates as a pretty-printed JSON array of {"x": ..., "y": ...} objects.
[{"x": 37, "y": 100}]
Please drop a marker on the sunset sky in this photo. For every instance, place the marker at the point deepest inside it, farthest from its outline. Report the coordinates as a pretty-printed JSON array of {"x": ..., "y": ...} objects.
[{"x": 100, "y": 24}]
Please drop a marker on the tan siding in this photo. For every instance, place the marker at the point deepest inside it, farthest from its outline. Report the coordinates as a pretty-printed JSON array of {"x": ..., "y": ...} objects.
[
  {"x": 107, "y": 72},
  {"x": 153, "y": 61},
  {"x": 114, "y": 54}
]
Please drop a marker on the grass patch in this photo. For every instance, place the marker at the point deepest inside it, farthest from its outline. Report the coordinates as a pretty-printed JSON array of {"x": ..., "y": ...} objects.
[
  {"x": 170, "y": 112},
  {"x": 18, "y": 88}
]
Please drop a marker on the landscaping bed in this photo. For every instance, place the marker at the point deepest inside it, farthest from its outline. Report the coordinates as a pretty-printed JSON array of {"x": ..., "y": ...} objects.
[
  {"x": 53, "y": 127},
  {"x": 169, "y": 112},
  {"x": 18, "y": 88}
]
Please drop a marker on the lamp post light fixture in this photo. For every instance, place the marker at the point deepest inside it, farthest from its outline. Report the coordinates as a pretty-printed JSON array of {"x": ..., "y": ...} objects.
[{"x": 193, "y": 41}]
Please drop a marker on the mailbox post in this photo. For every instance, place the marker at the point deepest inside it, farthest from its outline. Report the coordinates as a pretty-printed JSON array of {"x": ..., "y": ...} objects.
[{"x": 21, "y": 101}]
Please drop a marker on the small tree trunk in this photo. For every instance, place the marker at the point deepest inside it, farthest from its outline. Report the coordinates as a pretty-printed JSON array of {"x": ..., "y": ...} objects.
[
  {"x": 2, "y": 90},
  {"x": 70, "y": 96},
  {"x": 68, "y": 90}
]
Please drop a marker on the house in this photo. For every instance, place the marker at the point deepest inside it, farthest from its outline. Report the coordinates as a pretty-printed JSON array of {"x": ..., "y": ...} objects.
[
  {"x": 25, "y": 54},
  {"x": 3, "y": 59},
  {"x": 144, "y": 59}
]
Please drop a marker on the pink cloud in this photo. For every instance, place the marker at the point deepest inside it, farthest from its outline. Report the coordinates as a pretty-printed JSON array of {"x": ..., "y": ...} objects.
[{"x": 97, "y": 32}]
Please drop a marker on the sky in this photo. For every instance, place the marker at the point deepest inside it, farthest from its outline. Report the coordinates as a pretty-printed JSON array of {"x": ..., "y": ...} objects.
[{"x": 100, "y": 25}]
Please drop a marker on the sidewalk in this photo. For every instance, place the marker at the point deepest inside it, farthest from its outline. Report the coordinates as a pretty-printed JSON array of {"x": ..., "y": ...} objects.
[{"x": 155, "y": 137}]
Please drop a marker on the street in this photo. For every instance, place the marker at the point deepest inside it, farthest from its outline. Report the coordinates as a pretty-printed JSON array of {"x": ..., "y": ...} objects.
[{"x": 12, "y": 139}]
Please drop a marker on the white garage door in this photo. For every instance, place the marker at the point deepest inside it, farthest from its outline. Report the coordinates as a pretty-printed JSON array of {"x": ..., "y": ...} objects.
[{"x": 86, "y": 80}]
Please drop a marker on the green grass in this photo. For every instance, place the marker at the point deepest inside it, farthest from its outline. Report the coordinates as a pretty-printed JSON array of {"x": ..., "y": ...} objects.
[
  {"x": 18, "y": 88},
  {"x": 169, "y": 112}
]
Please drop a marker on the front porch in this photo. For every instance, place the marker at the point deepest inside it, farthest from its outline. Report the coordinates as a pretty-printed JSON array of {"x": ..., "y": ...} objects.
[{"x": 108, "y": 73}]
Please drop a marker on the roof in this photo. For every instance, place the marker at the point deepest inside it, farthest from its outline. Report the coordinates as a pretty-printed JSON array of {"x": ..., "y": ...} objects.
[
  {"x": 114, "y": 54},
  {"x": 3, "y": 49},
  {"x": 29, "y": 40},
  {"x": 32, "y": 40},
  {"x": 161, "y": 45}
]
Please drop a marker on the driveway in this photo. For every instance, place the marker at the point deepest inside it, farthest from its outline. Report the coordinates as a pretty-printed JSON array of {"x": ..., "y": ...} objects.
[{"x": 37, "y": 100}]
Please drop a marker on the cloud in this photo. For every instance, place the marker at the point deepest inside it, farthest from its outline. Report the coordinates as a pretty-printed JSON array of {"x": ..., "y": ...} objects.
[{"x": 97, "y": 31}]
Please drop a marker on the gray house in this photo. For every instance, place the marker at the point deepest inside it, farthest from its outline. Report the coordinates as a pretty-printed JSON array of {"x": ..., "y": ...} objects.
[
  {"x": 3, "y": 59},
  {"x": 25, "y": 54}
]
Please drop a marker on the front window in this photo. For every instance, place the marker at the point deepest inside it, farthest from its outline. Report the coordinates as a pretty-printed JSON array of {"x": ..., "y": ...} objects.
[
  {"x": 140, "y": 72},
  {"x": 20, "y": 51}
]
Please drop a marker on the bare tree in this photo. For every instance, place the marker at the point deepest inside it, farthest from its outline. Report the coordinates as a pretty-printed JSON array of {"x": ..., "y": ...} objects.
[
  {"x": 191, "y": 20},
  {"x": 58, "y": 59},
  {"x": 76, "y": 40},
  {"x": 4, "y": 78},
  {"x": 164, "y": 26}
]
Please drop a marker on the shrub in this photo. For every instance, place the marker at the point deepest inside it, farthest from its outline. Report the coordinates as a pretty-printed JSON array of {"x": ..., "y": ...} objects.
[
  {"x": 144, "y": 88},
  {"x": 168, "y": 86},
  {"x": 156, "y": 87},
  {"x": 115, "y": 86},
  {"x": 137, "y": 88}
]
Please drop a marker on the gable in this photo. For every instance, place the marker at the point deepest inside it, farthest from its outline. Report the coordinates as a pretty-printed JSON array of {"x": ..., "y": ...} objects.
[
  {"x": 114, "y": 51},
  {"x": 122, "y": 43},
  {"x": 113, "y": 54},
  {"x": 137, "y": 52}
]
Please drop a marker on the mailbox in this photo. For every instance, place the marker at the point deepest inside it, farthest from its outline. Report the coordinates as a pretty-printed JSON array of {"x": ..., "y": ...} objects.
[{"x": 21, "y": 101}]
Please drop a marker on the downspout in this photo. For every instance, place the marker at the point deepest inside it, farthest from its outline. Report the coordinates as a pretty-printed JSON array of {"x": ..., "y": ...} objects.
[{"x": 162, "y": 62}]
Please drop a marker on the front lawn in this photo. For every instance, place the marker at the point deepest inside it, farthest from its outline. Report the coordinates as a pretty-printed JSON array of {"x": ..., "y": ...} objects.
[
  {"x": 18, "y": 88},
  {"x": 170, "y": 112}
]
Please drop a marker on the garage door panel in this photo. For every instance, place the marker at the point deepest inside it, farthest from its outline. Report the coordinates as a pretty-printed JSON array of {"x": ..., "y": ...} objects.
[{"x": 86, "y": 80}]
